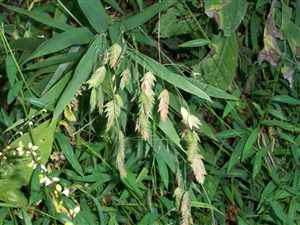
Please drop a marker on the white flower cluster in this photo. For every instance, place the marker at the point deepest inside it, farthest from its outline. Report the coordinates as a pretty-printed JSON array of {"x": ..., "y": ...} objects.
[
  {"x": 48, "y": 181},
  {"x": 21, "y": 152},
  {"x": 58, "y": 191}
]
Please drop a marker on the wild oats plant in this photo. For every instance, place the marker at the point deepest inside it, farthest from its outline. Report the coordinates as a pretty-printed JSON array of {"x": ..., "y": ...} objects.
[
  {"x": 121, "y": 155},
  {"x": 146, "y": 102},
  {"x": 194, "y": 157},
  {"x": 112, "y": 111},
  {"x": 149, "y": 112},
  {"x": 163, "y": 107}
]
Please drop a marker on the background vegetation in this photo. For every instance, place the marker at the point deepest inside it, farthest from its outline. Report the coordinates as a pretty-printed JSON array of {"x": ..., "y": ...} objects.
[{"x": 149, "y": 112}]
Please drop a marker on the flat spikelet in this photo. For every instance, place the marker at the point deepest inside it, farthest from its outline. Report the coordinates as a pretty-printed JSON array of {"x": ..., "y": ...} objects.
[
  {"x": 113, "y": 110},
  {"x": 121, "y": 155},
  {"x": 146, "y": 100},
  {"x": 189, "y": 120},
  {"x": 100, "y": 99},
  {"x": 198, "y": 167},
  {"x": 178, "y": 193},
  {"x": 148, "y": 83},
  {"x": 115, "y": 53},
  {"x": 125, "y": 78},
  {"x": 142, "y": 125},
  {"x": 163, "y": 107},
  {"x": 97, "y": 77},
  {"x": 194, "y": 157},
  {"x": 186, "y": 215},
  {"x": 93, "y": 99}
]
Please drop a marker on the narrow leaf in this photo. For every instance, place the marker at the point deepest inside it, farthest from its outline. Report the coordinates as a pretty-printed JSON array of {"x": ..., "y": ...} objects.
[
  {"x": 95, "y": 13},
  {"x": 81, "y": 74},
  {"x": 40, "y": 17}
]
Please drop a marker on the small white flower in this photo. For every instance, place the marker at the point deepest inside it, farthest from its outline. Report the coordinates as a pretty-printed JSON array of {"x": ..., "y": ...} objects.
[
  {"x": 35, "y": 147},
  {"x": 76, "y": 210},
  {"x": 188, "y": 119},
  {"x": 20, "y": 144},
  {"x": 43, "y": 167},
  {"x": 48, "y": 182},
  {"x": 20, "y": 152},
  {"x": 30, "y": 145},
  {"x": 55, "y": 179},
  {"x": 42, "y": 178},
  {"x": 58, "y": 187},
  {"x": 45, "y": 180},
  {"x": 30, "y": 123},
  {"x": 68, "y": 223},
  {"x": 32, "y": 164},
  {"x": 66, "y": 192}
]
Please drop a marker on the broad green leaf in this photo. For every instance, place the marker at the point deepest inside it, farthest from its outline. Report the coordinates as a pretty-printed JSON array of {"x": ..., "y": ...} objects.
[
  {"x": 168, "y": 128},
  {"x": 68, "y": 152},
  {"x": 115, "y": 5},
  {"x": 242, "y": 221},
  {"x": 280, "y": 124},
  {"x": 40, "y": 17},
  {"x": 132, "y": 183},
  {"x": 219, "y": 69},
  {"x": 248, "y": 148},
  {"x": 292, "y": 33},
  {"x": 176, "y": 21},
  {"x": 4, "y": 212},
  {"x": 231, "y": 133},
  {"x": 236, "y": 154},
  {"x": 203, "y": 205},
  {"x": 279, "y": 211},
  {"x": 95, "y": 13},
  {"x": 213, "y": 91},
  {"x": 194, "y": 43},
  {"x": 75, "y": 36},
  {"x": 293, "y": 209},
  {"x": 163, "y": 171},
  {"x": 11, "y": 70},
  {"x": 26, "y": 217},
  {"x": 286, "y": 99},
  {"x": 60, "y": 71},
  {"x": 163, "y": 73},
  {"x": 26, "y": 44},
  {"x": 168, "y": 157},
  {"x": 149, "y": 218},
  {"x": 14, "y": 91},
  {"x": 258, "y": 160},
  {"x": 54, "y": 60},
  {"x": 81, "y": 74},
  {"x": 96, "y": 176},
  {"x": 146, "y": 14},
  {"x": 43, "y": 136},
  {"x": 228, "y": 14},
  {"x": 10, "y": 193},
  {"x": 49, "y": 99}
]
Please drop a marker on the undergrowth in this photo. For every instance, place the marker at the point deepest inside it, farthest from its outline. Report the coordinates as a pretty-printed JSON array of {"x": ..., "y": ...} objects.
[{"x": 149, "y": 112}]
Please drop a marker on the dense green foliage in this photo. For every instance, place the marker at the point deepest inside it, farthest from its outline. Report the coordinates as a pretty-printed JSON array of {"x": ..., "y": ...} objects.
[{"x": 150, "y": 112}]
